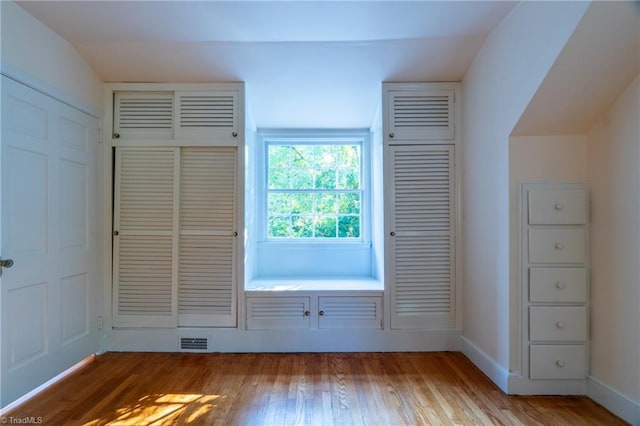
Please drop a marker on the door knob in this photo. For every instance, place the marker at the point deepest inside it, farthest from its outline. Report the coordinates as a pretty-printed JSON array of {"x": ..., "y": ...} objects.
[{"x": 5, "y": 263}]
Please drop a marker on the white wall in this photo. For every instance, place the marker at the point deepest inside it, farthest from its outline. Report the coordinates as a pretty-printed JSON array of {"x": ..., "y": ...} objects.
[
  {"x": 614, "y": 172},
  {"x": 33, "y": 51},
  {"x": 536, "y": 159},
  {"x": 501, "y": 81}
]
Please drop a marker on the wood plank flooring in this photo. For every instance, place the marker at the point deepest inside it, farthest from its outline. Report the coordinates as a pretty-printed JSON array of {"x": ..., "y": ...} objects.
[{"x": 295, "y": 389}]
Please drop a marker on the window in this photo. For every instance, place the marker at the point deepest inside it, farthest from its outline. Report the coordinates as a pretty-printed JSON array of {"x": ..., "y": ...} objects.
[
  {"x": 314, "y": 190},
  {"x": 311, "y": 200}
]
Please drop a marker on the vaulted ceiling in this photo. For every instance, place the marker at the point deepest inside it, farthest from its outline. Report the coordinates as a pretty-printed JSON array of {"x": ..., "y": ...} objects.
[
  {"x": 599, "y": 61},
  {"x": 306, "y": 64},
  {"x": 319, "y": 64}
]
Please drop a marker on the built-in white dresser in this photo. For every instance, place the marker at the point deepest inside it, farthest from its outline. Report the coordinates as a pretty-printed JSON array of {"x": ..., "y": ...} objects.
[{"x": 555, "y": 261}]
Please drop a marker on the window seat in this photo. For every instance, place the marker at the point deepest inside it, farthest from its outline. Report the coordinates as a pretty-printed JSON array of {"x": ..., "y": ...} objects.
[{"x": 314, "y": 284}]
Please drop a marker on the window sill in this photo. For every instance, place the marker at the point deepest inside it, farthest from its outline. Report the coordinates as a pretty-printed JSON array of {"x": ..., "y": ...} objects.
[{"x": 315, "y": 284}]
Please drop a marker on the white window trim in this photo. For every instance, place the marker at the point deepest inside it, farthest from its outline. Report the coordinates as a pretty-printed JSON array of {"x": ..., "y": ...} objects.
[{"x": 361, "y": 136}]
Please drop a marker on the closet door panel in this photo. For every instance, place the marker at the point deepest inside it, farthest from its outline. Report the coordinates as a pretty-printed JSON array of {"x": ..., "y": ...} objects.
[
  {"x": 206, "y": 279},
  {"x": 145, "y": 241},
  {"x": 421, "y": 236}
]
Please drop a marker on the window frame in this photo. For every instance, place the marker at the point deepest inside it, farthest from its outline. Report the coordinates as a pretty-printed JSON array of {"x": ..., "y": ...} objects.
[{"x": 314, "y": 137}]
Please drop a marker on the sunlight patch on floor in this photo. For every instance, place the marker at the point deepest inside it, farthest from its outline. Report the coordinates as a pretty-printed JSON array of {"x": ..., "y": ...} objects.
[{"x": 161, "y": 409}]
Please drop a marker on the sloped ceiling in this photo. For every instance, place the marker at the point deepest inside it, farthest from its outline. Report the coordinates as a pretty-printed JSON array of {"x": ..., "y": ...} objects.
[
  {"x": 599, "y": 61},
  {"x": 306, "y": 64}
]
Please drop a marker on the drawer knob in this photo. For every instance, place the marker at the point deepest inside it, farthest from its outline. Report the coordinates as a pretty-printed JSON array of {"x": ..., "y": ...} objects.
[
  {"x": 558, "y": 206},
  {"x": 559, "y": 285},
  {"x": 560, "y": 363},
  {"x": 559, "y": 246},
  {"x": 560, "y": 324}
]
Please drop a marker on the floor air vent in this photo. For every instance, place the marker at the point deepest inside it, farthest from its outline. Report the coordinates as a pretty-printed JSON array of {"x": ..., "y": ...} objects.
[{"x": 194, "y": 344}]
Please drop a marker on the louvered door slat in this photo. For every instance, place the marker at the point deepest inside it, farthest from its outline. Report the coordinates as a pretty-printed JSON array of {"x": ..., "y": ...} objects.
[
  {"x": 422, "y": 249},
  {"x": 206, "y": 280},
  {"x": 144, "y": 214},
  {"x": 143, "y": 115}
]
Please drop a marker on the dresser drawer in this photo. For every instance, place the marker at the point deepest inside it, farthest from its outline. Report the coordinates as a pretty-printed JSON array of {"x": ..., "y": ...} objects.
[
  {"x": 551, "y": 323},
  {"x": 558, "y": 206},
  {"x": 557, "y": 362},
  {"x": 561, "y": 245},
  {"x": 558, "y": 285}
]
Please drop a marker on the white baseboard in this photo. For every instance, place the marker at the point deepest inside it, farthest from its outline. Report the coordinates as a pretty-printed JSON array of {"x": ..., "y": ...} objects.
[
  {"x": 329, "y": 340},
  {"x": 519, "y": 385},
  {"x": 24, "y": 398},
  {"x": 485, "y": 363},
  {"x": 619, "y": 404}
]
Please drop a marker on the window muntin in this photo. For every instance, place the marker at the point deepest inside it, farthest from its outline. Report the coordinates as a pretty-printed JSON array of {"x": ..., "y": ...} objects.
[{"x": 314, "y": 190}]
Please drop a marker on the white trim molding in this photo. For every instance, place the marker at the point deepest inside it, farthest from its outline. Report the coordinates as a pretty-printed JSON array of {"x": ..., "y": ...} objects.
[
  {"x": 66, "y": 373},
  {"x": 619, "y": 404},
  {"x": 496, "y": 373},
  {"x": 25, "y": 79}
]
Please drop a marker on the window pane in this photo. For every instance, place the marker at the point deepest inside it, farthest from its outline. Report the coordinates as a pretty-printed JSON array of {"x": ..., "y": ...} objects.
[
  {"x": 279, "y": 204},
  {"x": 348, "y": 179},
  {"x": 349, "y": 156},
  {"x": 301, "y": 178},
  {"x": 349, "y": 204},
  {"x": 279, "y": 226},
  {"x": 302, "y": 226},
  {"x": 326, "y": 179},
  {"x": 279, "y": 178},
  {"x": 325, "y": 227},
  {"x": 348, "y": 227},
  {"x": 302, "y": 203},
  {"x": 279, "y": 155},
  {"x": 326, "y": 204},
  {"x": 302, "y": 156},
  {"x": 325, "y": 156}
]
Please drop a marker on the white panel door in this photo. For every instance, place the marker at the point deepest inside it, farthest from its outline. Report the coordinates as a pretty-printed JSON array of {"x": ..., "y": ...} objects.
[
  {"x": 49, "y": 210},
  {"x": 421, "y": 236}
]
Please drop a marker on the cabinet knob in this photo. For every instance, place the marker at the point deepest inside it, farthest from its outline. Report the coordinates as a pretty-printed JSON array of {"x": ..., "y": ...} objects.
[
  {"x": 560, "y": 324},
  {"x": 321, "y": 313},
  {"x": 234, "y": 134},
  {"x": 116, "y": 135},
  {"x": 235, "y": 233},
  {"x": 392, "y": 135},
  {"x": 559, "y": 285},
  {"x": 559, "y": 246},
  {"x": 560, "y": 363},
  {"x": 558, "y": 206},
  {"x": 392, "y": 233},
  {"x": 307, "y": 313}
]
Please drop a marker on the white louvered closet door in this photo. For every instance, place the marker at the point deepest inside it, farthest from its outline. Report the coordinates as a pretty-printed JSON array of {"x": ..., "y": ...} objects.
[
  {"x": 143, "y": 115},
  {"x": 145, "y": 241},
  {"x": 419, "y": 115},
  {"x": 421, "y": 267},
  {"x": 206, "y": 290},
  {"x": 213, "y": 115}
]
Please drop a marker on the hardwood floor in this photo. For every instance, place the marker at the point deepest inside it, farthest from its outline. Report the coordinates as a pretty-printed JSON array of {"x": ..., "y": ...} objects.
[{"x": 291, "y": 389}]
